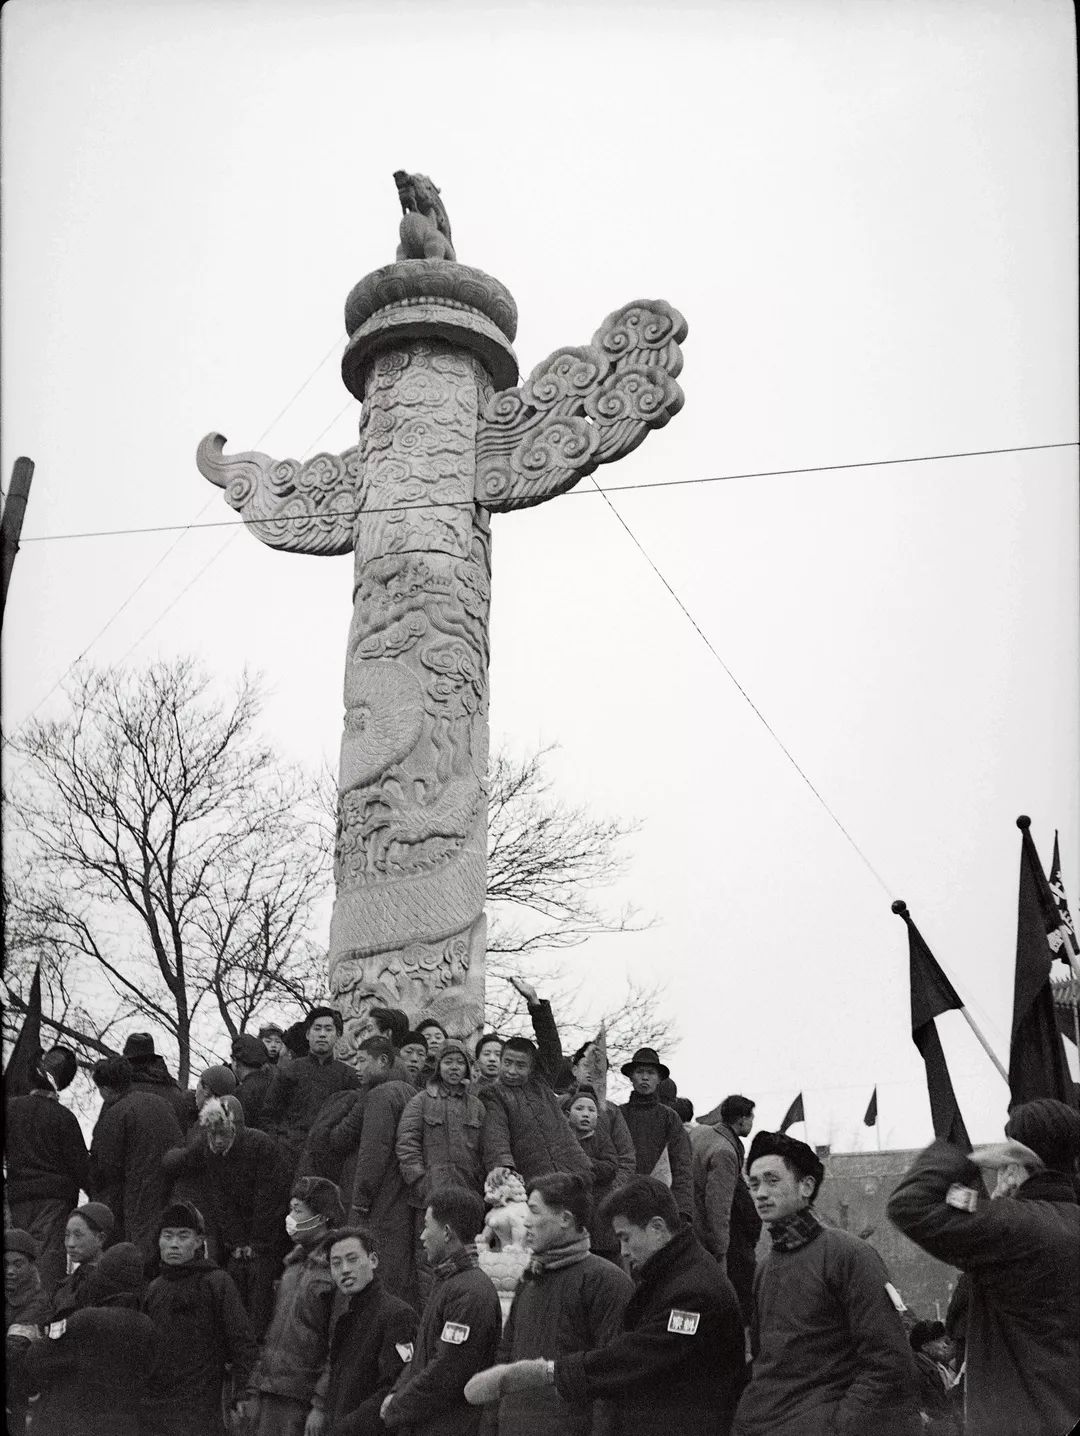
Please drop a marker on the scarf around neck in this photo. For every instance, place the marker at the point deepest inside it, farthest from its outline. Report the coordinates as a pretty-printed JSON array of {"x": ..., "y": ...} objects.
[
  {"x": 795, "y": 1231},
  {"x": 461, "y": 1260},
  {"x": 574, "y": 1249}
]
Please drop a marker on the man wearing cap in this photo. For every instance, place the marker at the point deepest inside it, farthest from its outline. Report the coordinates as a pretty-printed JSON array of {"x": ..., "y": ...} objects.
[
  {"x": 524, "y": 1126},
  {"x": 251, "y": 1063},
  {"x": 272, "y": 1038},
  {"x": 46, "y": 1161},
  {"x": 133, "y": 1132},
  {"x": 660, "y": 1142},
  {"x": 202, "y": 1330},
  {"x": 149, "y": 1074},
  {"x": 1021, "y": 1255},
  {"x": 941, "y": 1413},
  {"x": 830, "y": 1354},
  {"x": 25, "y": 1300},
  {"x": 88, "y": 1231},
  {"x": 299, "y": 1089},
  {"x": 238, "y": 1180}
]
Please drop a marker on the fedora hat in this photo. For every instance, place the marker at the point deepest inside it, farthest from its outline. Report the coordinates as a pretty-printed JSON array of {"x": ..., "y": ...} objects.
[{"x": 645, "y": 1057}]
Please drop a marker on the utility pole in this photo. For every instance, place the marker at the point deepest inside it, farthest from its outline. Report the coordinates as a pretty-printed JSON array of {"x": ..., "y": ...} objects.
[{"x": 11, "y": 522}]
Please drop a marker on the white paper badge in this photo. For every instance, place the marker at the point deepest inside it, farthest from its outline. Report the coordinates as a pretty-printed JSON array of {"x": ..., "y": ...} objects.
[
  {"x": 57, "y": 1329},
  {"x": 964, "y": 1199},
  {"x": 404, "y": 1349},
  {"x": 455, "y": 1332},
  {"x": 684, "y": 1323}
]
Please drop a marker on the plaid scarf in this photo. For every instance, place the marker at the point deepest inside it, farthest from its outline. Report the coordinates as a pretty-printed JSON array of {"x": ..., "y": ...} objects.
[
  {"x": 457, "y": 1261},
  {"x": 555, "y": 1258},
  {"x": 795, "y": 1231}
]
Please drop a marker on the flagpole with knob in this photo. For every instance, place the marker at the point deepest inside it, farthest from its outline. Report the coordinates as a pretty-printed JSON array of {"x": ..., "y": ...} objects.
[
  {"x": 901, "y": 909},
  {"x": 1023, "y": 822}
]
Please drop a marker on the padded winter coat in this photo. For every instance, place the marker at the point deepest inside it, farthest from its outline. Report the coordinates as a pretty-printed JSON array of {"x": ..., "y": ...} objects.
[
  {"x": 131, "y": 1136},
  {"x": 379, "y": 1197},
  {"x": 525, "y": 1128},
  {"x": 1021, "y": 1255},
  {"x": 656, "y": 1129},
  {"x": 44, "y": 1151},
  {"x": 151, "y": 1075},
  {"x": 296, "y": 1093},
  {"x": 243, "y": 1194},
  {"x": 297, "y": 1341},
  {"x": 438, "y": 1142}
]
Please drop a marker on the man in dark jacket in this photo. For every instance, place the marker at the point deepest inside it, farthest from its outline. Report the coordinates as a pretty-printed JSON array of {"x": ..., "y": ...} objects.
[
  {"x": 372, "y": 1338},
  {"x": 251, "y": 1063},
  {"x": 567, "y": 1301},
  {"x": 299, "y": 1089},
  {"x": 132, "y": 1134},
  {"x": 1021, "y": 1253},
  {"x": 660, "y": 1141},
  {"x": 677, "y": 1364},
  {"x": 149, "y": 1074},
  {"x": 459, "y": 1330},
  {"x": 941, "y": 1413},
  {"x": 830, "y": 1352},
  {"x": 524, "y": 1126},
  {"x": 47, "y": 1165},
  {"x": 379, "y": 1197},
  {"x": 88, "y": 1232},
  {"x": 239, "y": 1181},
  {"x": 90, "y": 1375},
  {"x": 724, "y": 1216},
  {"x": 202, "y": 1330}
]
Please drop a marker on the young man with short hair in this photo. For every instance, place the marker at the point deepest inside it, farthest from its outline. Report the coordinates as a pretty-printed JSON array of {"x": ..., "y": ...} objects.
[
  {"x": 459, "y": 1330},
  {"x": 830, "y": 1351},
  {"x": 677, "y": 1364},
  {"x": 300, "y": 1088},
  {"x": 524, "y": 1126},
  {"x": 373, "y": 1337}
]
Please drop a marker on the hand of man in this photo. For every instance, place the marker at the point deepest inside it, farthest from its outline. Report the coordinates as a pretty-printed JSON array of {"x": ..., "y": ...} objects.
[
  {"x": 526, "y": 989},
  {"x": 317, "y": 1422}
]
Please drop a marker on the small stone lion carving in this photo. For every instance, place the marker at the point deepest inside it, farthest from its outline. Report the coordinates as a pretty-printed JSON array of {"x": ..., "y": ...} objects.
[
  {"x": 501, "y": 1245},
  {"x": 425, "y": 225}
]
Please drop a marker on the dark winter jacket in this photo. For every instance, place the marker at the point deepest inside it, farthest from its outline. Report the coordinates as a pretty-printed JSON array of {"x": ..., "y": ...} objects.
[
  {"x": 654, "y": 1129},
  {"x": 556, "y": 1313},
  {"x": 1021, "y": 1255},
  {"x": 379, "y": 1195},
  {"x": 943, "y": 1415},
  {"x": 831, "y": 1357},
  {"x": 151, "y": 1075},
  {"x": 333, "y": 1137},
  {"x": 74, "y": 1291},
  {"x": 297, "y": 1342},
  {"x": 458, "y": 1336},
  {"x": 251, "y": 1094},
  {"x": 296, "y": 1093},
  {"x": 372, "y": 1342},
  {"x": 677, "y": 1366},
  {"x": 438, "y": 1142},
  {"x": 27, "y": 1302},
  {"x": 201, "y": 1327},
  {"x": 604, "y": 1171},
  {"x": 525, "y": 1128},
  {"x": 131, "y": 1136},
  {"x": 92, "y": 1375},
  {"x": 551, "y": 1065},
  {"x": 243, "y": 1194},
  {"x": 613, "y": 1123},
  {"x": 44, "y": 1151}
]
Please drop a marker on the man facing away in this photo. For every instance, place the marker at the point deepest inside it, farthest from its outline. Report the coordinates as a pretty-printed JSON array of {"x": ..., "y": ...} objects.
[
  {"x": 459, "y": 1330},
  {"x": 677, "y": 1365},
  {"x": 724, "y": 1215},
  {"x": 1020, "y": 1253},
  {"x": 830, "y": 1353}
]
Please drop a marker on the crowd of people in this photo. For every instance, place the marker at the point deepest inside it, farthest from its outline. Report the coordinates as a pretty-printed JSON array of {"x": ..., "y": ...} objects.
[{"x": 291, "y": 1249}]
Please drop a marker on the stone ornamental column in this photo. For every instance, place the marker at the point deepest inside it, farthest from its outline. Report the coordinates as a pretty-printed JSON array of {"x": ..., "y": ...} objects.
[{"x": 445, "y": 439}]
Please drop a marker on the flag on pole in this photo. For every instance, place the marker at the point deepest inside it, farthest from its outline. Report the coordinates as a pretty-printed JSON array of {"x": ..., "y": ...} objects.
[
  {"x": 27, "y": 1049},
  {"x": 1057, "y": 890},
  {"x": 595, "y": 1063},
  {"x": 1037, "y": 1066},
  {"x": 795, "y": 1113},
  {"x": 932, "y": 994},
  {"x": 870, "y": 1119}
]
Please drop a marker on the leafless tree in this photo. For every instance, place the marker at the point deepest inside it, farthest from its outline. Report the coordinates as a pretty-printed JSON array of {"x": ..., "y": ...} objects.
[{"x": 171, "y": 859}]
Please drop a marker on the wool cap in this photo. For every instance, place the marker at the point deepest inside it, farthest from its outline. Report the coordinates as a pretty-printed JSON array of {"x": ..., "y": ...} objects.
[
  {"x": 324, "y": 1012},
  {"x": 118, "y": 1269},
  {"x": 16, "y": 1240},
  {"x": 249, "y": 1050},
  {"x": 667, "y": 1091},
  {"x": 139, "y": 1044},
  {"x": 1050, "y": 1129},
  {"x": 646, "y": 1057},
  {"x": 271, "y": 1029},
  {"x": 322, "y": 1196},
  {"x": 583, "y": 1089},
  {"x": 219, "y": 1081},
  {"x": 98, "y": 1216},
  {"x": 182, "y": 1214},
  {"x": 453, "y": 1045},
  {"x": 803, "y": 1159}
]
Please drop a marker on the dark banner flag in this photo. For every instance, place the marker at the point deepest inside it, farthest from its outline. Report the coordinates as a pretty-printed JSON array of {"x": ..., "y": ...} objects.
[
  {"x": 795, "y": 1113},
  {"x": 27, "y": 1049},
  {"x": 870, "y": 1119},
  {"x": 1057, "y": 891},
  {"x": 932, "y": 994},
  {"x": 1037, "y": 1066}
]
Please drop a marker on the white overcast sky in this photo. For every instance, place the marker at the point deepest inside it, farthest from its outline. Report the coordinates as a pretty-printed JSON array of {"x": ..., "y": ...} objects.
[{"x": 867, "y": 213}]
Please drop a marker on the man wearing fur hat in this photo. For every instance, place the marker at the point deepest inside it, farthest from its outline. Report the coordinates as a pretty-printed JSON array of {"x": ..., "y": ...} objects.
[
  {"x": 830, "y": 1354},
  {"x": 299, "y": 1089},
  {"x": 1021, "y": 1254},
  {"x": 238, "y": 1180},
  {"x": 202, "y": 1329}
]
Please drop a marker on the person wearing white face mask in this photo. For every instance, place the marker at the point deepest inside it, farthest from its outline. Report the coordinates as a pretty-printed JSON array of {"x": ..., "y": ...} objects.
[{"x": 290, "y": 1378}]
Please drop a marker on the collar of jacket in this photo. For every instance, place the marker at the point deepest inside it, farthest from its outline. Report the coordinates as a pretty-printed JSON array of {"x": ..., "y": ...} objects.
[
  {"x": 795, "y": 1231},
  {"x": 440, "y": 1089},
  {"x": 655, "y": 1267},
  {"x": 462, "y": 1260},
  {"x": 639, "y": 1099},
  {"x": 360, "y": 1299},
  {"x": 189, "y": 1268},
  {"x": 1048, "y": 1186}
]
